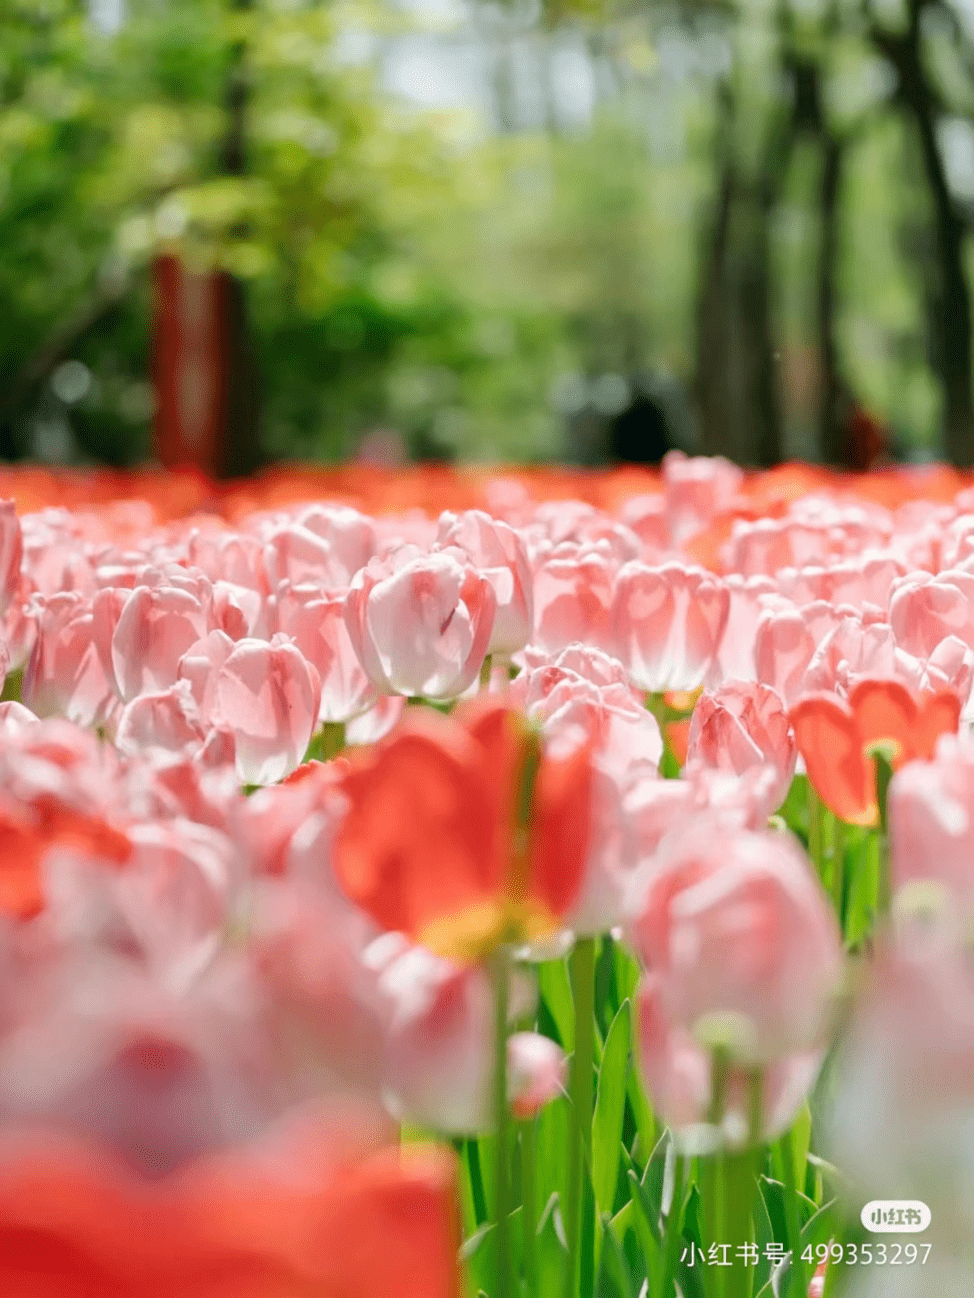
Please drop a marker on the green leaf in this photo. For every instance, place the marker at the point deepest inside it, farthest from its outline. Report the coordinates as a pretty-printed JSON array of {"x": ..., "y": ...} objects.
[
  {"x": 614, "y": 1262},
  {"x": 556, "y": 993},
  {"x": 552, "y": 1255},
  {"x": 801, "y": 1139},
  {"x": 610, "y": 1106},
  {"x": 554, "y": 1124},
  {"x": 642, "y": 1112},
  {"x": 821, "y": 1226}
]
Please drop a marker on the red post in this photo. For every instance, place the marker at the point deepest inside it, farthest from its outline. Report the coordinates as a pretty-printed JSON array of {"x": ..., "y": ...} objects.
[{"x": 190, "y": 367}]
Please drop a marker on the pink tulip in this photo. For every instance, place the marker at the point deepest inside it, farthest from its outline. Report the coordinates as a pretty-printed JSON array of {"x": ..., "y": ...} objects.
[
  {"x": 318, "y": 628},
  {"x": 677, "y": 1071},
  {"x": 351, "y": 537},
  {"x": 155, "y": 628},
  {"x": 268, "y": 696},
  {"x": 420, "y": 623},
  {"x": 499, "y": 554},
  {"x": 200, "y": 664},
  {"x": 850, "y": 652},
  {"x": 18, "y": 629},
  {"x": 326, "y": 1008},
  {"x": 169, "y": 721},
  {"x": 376, "y": 723},
  {"x": 748, "y": 597},
  {"x": 767, "y": 546},
  {"x": 738, "y": 932},
  {"x": 573, "y": 598},
  {"x": 11, "y": 553},
  {"x": 440, "y": 1053},
  {"x": 865, "y": 582},
  {"x": 931, "y": 820},
  {"x": 64, "y": 675},
  {"x": 667, "y": 623},
  {"x": 296, "y": 555},
  {"x": 900, "y": 1120},
  {"x": 786, "y": 642},
  {"x": 226, "y": 556},
  {"x": 741, "y": 725},
  {"x": 580, "y": 527},
  {"x": 585, "y": 694},
  {"x": 697, "y": 490},
  {"x": 647, "y": 517},
  {"x": 925, "y": 609},
  {"x": 288, "y": 828},
  {"x": 14, "y": 716}
]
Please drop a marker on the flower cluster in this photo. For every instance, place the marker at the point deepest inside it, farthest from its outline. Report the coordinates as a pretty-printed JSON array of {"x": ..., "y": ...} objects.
[{"x": 304, "y": 802}]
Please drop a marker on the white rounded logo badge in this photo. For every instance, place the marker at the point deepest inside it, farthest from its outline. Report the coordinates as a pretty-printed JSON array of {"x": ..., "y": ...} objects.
[{"x": 895, "y": 1216}]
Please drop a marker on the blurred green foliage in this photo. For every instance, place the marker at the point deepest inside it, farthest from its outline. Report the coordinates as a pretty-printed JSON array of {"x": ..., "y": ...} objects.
[{"x": 408, "y": 270}]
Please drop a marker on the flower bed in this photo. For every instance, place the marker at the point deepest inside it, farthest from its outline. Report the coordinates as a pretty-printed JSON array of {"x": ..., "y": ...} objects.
[{"x": 519, "y": 882}]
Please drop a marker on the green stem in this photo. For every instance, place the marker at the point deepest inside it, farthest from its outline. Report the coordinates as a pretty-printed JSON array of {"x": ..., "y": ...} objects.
[
  {"x": 505, "y": 1285},
  {"x": 882, "y": 756},
  {"x": 476, "y": 1182},
  {"x": 580, "y": 1210},
  {"x": 529, "y": 1205},
  {"x": 798, "y": 1286},
  {"x": 815, "y": 829},
  {"x": 673, "y": 1235},
  {"x": 485, "y": 672},
  {"x": 12, "y": 687},
  {"x": 739, "y": 1187},
  {"x": 712, "y": 1166},
  {"x": 838, "y": 869},
  {"x": 656, "y": 704},
  {"x": 832, "y": 1272}
]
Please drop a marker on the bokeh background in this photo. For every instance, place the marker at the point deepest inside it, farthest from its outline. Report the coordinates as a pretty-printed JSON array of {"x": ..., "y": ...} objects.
[{"x": 236, "y": 231}]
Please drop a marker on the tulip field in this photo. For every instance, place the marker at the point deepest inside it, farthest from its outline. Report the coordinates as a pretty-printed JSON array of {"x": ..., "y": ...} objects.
[{"x": 524, "y": 883}]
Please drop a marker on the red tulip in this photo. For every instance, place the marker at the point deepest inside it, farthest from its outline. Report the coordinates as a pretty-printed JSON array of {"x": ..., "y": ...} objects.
[
  {"x": 300, "y": 1217},
  {"x": 834, "y": 736},
  {"x": 463, "y": 832}
]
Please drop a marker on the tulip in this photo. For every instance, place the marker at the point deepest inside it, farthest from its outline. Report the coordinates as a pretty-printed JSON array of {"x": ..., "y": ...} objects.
[
  {"x": 573, "y": 598},
  {"x": 925, "y": 608},
  {"x": 931, "y": 820},
  {"x": 499, "y": 554},
  {"x": 464, "y": 832},
  {"x": 420, "y": 624},
  {"x": 268, "y": 696},
  {"x": 667, "y": 624},
  {"x": 318, "y": 628},
  {"x": 300, "y": 1213},
  {"x": 900, "y": 1123},
  {"x": 64, "y": 675},
  {"x": 741, "y": 725},
  {"x": 735, "y": 928},
  {"x": 169, "y": 721},
  {"x": 441, "y": 1039},
  {"x": 833, "y": 738},
  {"x": 155, "y": 628},
  {"x": 697, "y": 490},
  {"x": 678, "y": 1072},
  {"x": 11, "y": 553}
]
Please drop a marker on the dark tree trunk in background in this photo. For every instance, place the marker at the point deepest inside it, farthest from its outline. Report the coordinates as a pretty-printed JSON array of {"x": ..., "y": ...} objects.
[
  {"x": 950, "y": 293},
  {"x": 241, "y": 405},
  {"x": 712, "y": 397},
  {"x": 831, "y": 411},
  {"x": 204, "y": 359},
  {"x": 737, "y": 397}
]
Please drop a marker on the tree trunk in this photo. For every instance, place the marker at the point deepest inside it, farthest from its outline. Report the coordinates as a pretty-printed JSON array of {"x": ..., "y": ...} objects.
[
  {"x": 711, "y": 393},
  {"x": 830, "y": 407},
  {"x": 951, "y": 324}
]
